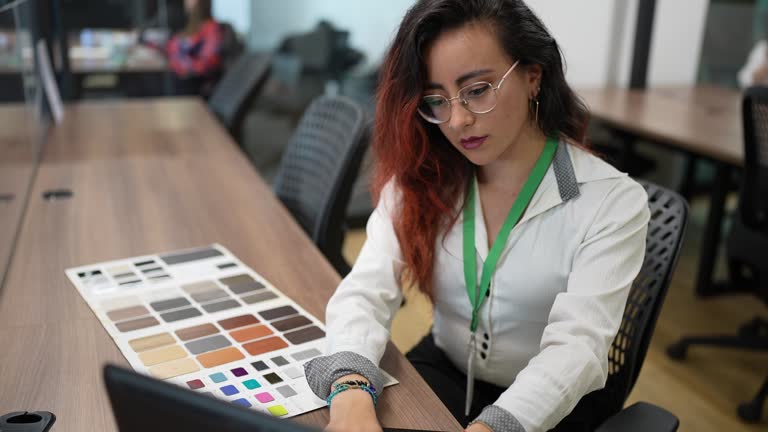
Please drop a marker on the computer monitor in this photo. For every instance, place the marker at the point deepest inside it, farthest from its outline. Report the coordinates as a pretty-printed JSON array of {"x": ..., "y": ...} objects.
[{"x": 143, "y": 404}]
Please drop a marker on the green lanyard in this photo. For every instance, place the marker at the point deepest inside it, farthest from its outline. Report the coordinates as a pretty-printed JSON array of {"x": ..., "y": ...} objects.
[{"x": 477, "y": 294}]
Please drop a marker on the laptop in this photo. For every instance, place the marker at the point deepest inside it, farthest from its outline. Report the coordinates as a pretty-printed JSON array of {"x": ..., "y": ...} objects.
[{"x": 144, "y": 404}]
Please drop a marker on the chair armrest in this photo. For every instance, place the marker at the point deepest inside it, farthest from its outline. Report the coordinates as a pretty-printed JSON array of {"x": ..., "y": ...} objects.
[{"x": 641, "y": 417}]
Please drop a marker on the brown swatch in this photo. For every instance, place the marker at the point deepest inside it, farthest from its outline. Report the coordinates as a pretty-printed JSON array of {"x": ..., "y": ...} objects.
[
  {"x": 304, "y": 335},
  {"x": 238, "y": 321},
  {"x": 265, "y": 345},
  {"x": 236, "y": 280},
  {"x": 276, "y": 313},
  {"x": 246, "y": 287},
  {"x": 291, "y": 323},
  {"x": 250, "y": 333},
  {"x": 195, "y": 332},
  {"x": 220, "y": 357},
  {"x": 140, "y": 323},
  {"x": 126, "y": 313}
]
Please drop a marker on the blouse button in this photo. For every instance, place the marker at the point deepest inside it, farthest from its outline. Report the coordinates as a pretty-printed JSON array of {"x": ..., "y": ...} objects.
[{"x": 482, "y": 355}]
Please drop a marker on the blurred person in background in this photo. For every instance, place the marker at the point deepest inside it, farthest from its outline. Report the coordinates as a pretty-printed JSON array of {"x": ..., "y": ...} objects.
[{"x": 195, "y": 53}]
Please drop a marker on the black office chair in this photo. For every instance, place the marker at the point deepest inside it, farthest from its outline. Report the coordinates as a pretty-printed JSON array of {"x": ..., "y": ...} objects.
[
  {"x": 318, "y": 168},
  {"x": 747, "y": 245},
  {"x": 235, "y": 91},
  {"x": 625, "y": 358}
]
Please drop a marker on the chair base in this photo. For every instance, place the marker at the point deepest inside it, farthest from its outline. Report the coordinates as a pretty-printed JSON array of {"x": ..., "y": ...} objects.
[
  {"x": 641, "y": 417},
  {"x": 752, "y": 335},
  {"x": 752, "y": 411}
]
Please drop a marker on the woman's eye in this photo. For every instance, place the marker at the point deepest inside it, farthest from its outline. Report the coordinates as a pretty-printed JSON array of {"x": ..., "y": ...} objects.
[{"x": 477, "y": 91}]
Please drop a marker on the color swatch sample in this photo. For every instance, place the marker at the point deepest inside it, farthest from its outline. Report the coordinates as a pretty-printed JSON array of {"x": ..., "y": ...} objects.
[{"x": 203, "y": 320}]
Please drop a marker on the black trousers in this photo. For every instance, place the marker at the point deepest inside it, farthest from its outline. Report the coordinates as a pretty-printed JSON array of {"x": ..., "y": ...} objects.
[{"x": 450, "y": 384}]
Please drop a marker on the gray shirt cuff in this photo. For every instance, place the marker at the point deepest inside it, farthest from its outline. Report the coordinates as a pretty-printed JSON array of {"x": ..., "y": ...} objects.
[
  {"x": 322, "y": 372},
  {"x": 499, "y": 420}
]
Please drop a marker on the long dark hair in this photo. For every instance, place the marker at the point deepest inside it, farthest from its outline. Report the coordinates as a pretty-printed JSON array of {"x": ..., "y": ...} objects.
[{"x": 428, "y": 172}]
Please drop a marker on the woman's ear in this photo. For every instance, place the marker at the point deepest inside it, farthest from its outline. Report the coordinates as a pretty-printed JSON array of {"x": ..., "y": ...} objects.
[{"x": 533, "y": 80}]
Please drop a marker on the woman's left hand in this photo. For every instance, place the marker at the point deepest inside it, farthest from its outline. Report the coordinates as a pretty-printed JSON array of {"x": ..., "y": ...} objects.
[{"x": 478, "y": 427}]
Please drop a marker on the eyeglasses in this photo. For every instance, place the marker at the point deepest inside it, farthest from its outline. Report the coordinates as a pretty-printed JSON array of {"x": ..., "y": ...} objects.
[{"x": 478, "y": 98}]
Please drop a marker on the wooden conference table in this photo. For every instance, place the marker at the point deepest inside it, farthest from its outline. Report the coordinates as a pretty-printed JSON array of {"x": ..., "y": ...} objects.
[
  {"x": 699, "y": 121},
  {"x": 146, "y": 177},
  {"x": 19, "y": 144}
]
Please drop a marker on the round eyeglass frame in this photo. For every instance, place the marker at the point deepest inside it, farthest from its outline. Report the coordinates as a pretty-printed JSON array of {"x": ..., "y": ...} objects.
[{"x": 464, "y": 101}]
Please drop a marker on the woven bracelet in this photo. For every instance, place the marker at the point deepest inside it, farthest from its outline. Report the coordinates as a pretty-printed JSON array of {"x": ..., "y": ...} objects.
[{"x": 349, "y": 385}]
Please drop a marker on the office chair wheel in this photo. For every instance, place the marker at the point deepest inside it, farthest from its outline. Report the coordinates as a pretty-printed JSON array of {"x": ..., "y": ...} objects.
[
  {"x": 677, "y": 351},
  {"x": 750, "y": 412}
]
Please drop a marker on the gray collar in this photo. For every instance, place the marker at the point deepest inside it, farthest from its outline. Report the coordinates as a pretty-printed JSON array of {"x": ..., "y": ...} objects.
[{"x": 563, "y": 168}]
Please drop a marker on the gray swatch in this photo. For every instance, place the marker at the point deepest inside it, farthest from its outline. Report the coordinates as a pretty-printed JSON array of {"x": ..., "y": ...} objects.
[
  {"x": 280, "y": 361},
  {"x": 206, "y": 296},
  {"x": 180, "y": 314},
  {"x": 260, "y": 297},
  {"x": 220, "y": 306},
  {"x": 303, "y": 355},
  {"x": 173, "y": 303},
  {"x": 293, "y": 372},
  {"x": 207, "y": 344},
  {"x": 286, "y": 391},
  {"x": 193, "y": 255}
]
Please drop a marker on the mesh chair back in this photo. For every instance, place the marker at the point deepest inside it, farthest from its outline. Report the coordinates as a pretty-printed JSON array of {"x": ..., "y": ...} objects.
[
  {"x": 235, "y": 91},
  {"x": 748, "y": 239},
  {"x": 319, "y": 167},
  {"x": 663, "y": 242},
  {"x": 753, "y": 204}
]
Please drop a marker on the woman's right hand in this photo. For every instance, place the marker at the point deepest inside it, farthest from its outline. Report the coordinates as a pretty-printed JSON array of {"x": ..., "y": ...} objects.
[{"x": 353, "y": 411}]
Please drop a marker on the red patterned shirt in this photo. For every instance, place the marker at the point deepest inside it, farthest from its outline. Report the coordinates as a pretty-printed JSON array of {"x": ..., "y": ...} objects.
[{"x": 198, "y": 54}]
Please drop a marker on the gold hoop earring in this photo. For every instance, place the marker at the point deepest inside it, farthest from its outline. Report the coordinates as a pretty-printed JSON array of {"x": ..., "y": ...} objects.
[{"x": 534, "y": 110}]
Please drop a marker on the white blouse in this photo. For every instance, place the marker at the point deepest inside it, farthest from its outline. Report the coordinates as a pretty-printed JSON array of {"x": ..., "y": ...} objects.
[
  {"x": 757, "y": 57},
  {"x": 556, "y": 298}
]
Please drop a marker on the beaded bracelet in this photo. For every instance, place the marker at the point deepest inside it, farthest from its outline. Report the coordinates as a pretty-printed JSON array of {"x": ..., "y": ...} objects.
[{"x": 348, "y": 385}]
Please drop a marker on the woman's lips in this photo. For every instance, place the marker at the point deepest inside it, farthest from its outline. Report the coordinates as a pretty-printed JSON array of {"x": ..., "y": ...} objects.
[{"x": 473, "y": 142}]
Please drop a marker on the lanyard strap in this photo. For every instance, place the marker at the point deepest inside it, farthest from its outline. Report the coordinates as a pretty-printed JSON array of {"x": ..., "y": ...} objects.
[{"x": 477, "y": 294}]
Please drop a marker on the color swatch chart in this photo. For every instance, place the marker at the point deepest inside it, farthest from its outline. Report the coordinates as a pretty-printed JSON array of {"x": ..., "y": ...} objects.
[{"x": 203, "y": 320}]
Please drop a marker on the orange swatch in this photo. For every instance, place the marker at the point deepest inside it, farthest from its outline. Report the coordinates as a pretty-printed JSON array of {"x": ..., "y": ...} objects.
[
  {"x": 220, "y": 357},
  {"x": 250, "y": 333},
  {"x": 265, "y": 345}
]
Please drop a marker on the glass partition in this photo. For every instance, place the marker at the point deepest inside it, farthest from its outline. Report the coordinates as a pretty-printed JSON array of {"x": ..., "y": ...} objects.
[{"x": 22, "y": 124}]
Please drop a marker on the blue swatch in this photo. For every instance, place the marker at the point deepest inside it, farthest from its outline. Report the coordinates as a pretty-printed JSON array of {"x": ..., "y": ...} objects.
[
  {"x": 229, "y": 390},
  {"x": 218, "y": 377}
]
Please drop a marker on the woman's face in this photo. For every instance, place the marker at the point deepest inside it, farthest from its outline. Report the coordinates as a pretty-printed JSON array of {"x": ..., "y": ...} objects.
[
  {"x": 190, "y": 5},
  {"x": 465, "y": 56}
]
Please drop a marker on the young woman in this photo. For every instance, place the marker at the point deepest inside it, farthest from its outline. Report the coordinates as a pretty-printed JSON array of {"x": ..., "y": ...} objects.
[
  {"x": 487, "y": 200},
  {"x": 195, "y": 53}
]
